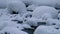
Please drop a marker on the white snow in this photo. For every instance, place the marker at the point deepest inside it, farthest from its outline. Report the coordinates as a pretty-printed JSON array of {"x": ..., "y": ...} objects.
[
  {"x": 45, "y": 30},
  {"x": 31, "y": 21},
  {"x": 44, "y": 2},
  {"x": 52, "y": 22},
  {"x": 38, "y": 12},
  {"x": 46, "y": 16},
  {"x": 32, "y": 7},
  {"x": 17, "y": 6},
  {"x": 13, "y": 30},
  {"x": 3, "y": 4},
  {"x": 29, "y": 16}
]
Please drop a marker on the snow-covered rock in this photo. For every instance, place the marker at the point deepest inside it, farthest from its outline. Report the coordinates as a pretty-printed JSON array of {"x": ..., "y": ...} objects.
[
  {"x": 44, "y": 2},
  {"x": 58, "y": 32},
  {"x": 3, "y": 24},
  {"x": 33, "y": 21},
  {"x": 12, "y": 30},
  {"x": 18, "y": 17},
  {"x": 17, "y": 6},
  {"x": 52, "y": 22},
  {"x": 5, "y": 17},
  {"x": 26, "y": 2},
  {"x": 27, "y": 15},
  {"x": 39, "y": 11},
  {"x": 4, "y": 11},
  {"x": 3, "y": 4},
  {"x": 22, "y": 16},
  {"x": 26, "y": 26},
  {"x": 46, "y": 16},
  {"x": 45, "y": 30},
  {"x": 58, "y": 4},
  {"x": 31, "y": 7}
]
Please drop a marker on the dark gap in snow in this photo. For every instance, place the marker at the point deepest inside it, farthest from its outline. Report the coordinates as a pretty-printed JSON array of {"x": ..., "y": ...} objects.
[
  {"x": 14, "y": 20},
  {"x": 13, "y": 12},
  {"x": 41, "y": 23},
  {"x": 30, "y": 10},
  {"x": 28, "y": 16},
  {"x": 54, "y": 24},
  {"x": 25, "y": 20},
  {"x": 57, "y": 28},
  {"x": 58, "y": 18},
  {"x": 34, "y": 27},
  {"x": 17, "y": 27},
  {"x": 20, "y": 22},
  {"x": 30, "y": 31},
  {"x": 27, "y": 5},
  {"x": 58, "y": 12},
  {"x": 25, "y": 16},
  {"x": 57, "y": 8},
  {"x": 7, "y": 33}
]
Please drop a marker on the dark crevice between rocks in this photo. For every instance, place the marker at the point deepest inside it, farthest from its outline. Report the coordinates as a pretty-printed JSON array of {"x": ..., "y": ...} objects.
[
  {"x": 29, "y": 31},
  {"x": 13, "y": 12},
  {"x": 58, "y": 18},
  {"x": 14, "y": 20},
  {"x": 54, "y": 24},
  {"x": 41, "y": 23},
  {"x": 20, "y": 22},
  {"x": 57, "y": 8},
  {"x": 34, "y": 27},
  {"x": 25, "y": 20},
  {"x": 27, "y": 5},
  {"x": 7, "y": 33},
  {"x": 30, "y": 10},
  {"x": 57, "y": 28},
  {"x": 28, "y": 16}
]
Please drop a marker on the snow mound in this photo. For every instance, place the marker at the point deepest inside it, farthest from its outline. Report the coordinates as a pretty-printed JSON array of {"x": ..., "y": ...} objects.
[
  {"x": 12, "y": 30},
  {"x": 45, "y": 30},
  {"x": 51, "y": 3},
  {"x": 17, "y": 6},
  {"x": 39, "y": 11}
]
